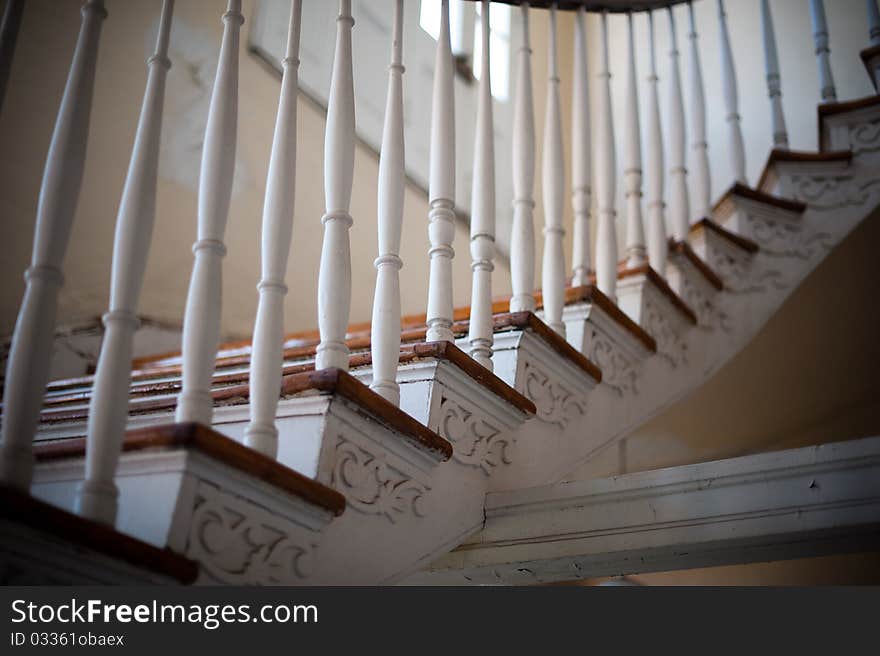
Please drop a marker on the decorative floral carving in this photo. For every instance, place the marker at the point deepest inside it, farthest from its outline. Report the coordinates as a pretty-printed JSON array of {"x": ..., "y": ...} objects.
[
  {"x": 237, "y": 542},
  {"x": 786, "y": 238},
  {"x": 699, "y": 301},
  {"x": 828, "y": 192},
  {"x": 555, "y": 404},
  {"x": 669, "y": 343},
  {"x": 865, "y": 137},
  {"x": 618, "y": 370},
  {"x": 477, "y": 442},
  {"x": 374, "y": 487}
]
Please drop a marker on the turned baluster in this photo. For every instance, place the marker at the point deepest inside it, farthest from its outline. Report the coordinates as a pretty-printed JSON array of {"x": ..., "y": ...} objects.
[
  {"x": 9, "y": 25},
  {"x": 702, "y": 179},
  {"x": 823, "y": 51},
  {"x": 27, "y": 369},
  {"x": 201, "y": 319},
  {"x": 334, "y": 274},
  {"x": 731, "y": 100},
  {"x": 774, "y": 88},
  {"x": 632, "y": 172},
  {"x": 385, "y": 341},
  {"x": 480, "y": 333},
  {"x": 522, "y": 241},
  {"x": 657, "y": 246},
  {"x": 606, "y": 181},
  {"x": 553, "y": 179},
  {"x": 679, "y": 202},
  {"x": 581, "y": 154},
  {"x": 441, "y": 188},
  {"x": 267, "y": 355},
  {"x": 108, "y": 409}
]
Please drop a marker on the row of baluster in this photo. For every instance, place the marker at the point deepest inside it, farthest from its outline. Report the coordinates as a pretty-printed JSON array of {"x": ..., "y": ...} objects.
[{"x": 28, "y": 366}]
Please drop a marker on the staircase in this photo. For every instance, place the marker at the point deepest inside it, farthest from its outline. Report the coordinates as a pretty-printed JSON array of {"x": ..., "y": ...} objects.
[{"x": 434, "y": 448}]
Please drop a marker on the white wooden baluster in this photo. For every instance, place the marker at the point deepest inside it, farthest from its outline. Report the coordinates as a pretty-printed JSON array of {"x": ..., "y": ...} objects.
[
  {"x": 267, "y": 356},
  {"x": 581, "y": 154},
  {"x": 9, "y": 26},
  {"x": 873, "y": 22},
  {"x": 201, "y": 320},
  {"x": 522, "y": 240},
  {"x": 385, "y": 341},
  {"x": 334, "y": 275},
  {"x": 635, "y": 231},
  {"x": 731, "y": 100},
  {"x": 606, "y": 180},
  {"x": 701, "y": 176},
  {"x": 823, "y": 51},
  {"x": 441, "y": 189},
  {"x": 774, "y": 88},
  {"x": 27, "y": 369},
  {"x": 553, "y": 179},
  {"x": 657, "y": 246},
  {"x": 679, "y": 202},
  {"x": 480, "y": 333},
  {"x": 108, "y": 409}
]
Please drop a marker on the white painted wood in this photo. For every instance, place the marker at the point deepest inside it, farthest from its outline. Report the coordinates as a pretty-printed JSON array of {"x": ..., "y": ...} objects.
[
  {"x": 823, "y": 51},
  {"x": 480, "y": 331},
  {"x": 27, "y": 369},
  {"x": 632, "y": 171},
  {"x": 441, "y": 189},
  {"x": 9, "y": 26},
  {"x": 679, "y": 201},
  {"x": 108, "y": 409},
  {"x": 522, "y": 240},
  {"x": 770, "y": 506},
  {"x": 658, "y": 249},
  {"x": 581, "y": 154},
  {"x": 774, "y": 83},
  {"x": 201, "y": 320},
  {"x": 731, "y": 100},
  {"x": 267, "y": 354},
  {"x": 873, "y": 22},
  {"x": 334, "y": 276},
  {"x": 385, "y": 341},
  {"x": 606, "y": 180},
  {"x": 553, "y": 183},
  {"x": 702, "y": 178}
]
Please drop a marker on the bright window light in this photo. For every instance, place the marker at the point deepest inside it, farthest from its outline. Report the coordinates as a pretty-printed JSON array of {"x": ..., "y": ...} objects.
[
  {"x": 429, "y": 17},
  {"x": 499, "y": 46}
]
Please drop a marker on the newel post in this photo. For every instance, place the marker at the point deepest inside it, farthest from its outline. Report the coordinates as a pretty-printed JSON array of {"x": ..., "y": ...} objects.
[
  {"x": 553, "y": 179},
  {"x": 108, "y": 409},
  {"x": 657, "y": 246},
  {"x": 480, "y": 334},
  {"x": 27, "y": 369},
  {"x": 385, "y": 341},
  {"x": 334, "y": 275},
  {"x": 201, "y": 320},
  {"x": 632, "y": 172},
  {"x": 581, "y": 154},
  {"x": 268, "y": 354},
  {"x": 522, "y": 240},
  {"x": 606, "y": 180},
  {"x": 441, "y": 188}
]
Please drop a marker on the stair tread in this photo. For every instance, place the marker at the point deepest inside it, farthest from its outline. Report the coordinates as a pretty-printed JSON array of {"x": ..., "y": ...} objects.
[
  {"x": 684, "y": 249},
  {"x": 647, "y": 271},
  {"x": 784, "y": 155},
  {"x": 22, "y": 508},
  {"x": 197, "y": 437},
  {"x": 737, "y": 240},
  {"x": 337, "y": 381}
]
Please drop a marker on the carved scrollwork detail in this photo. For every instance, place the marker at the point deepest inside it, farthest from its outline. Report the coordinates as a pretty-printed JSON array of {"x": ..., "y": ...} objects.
[
  {"x": 554, "y": 403},
  {"x": 239, "y": 543},
  {"x": 657, "y": 324},
  {"x": 699, "y": 301},
  {"x": 865, "y": 137},
  {"x": 375, "y": 487},
  {"x": 786, "y": 238},
  {"x": 828, "y": 192},
  {"x": 618, "y": 370},
  {"x": 476, "y": 442}
]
